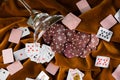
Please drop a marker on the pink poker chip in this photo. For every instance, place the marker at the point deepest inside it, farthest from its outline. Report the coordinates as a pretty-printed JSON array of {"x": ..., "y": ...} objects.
[
  {"x": 77, "y": 51},
  {"x": 57, "y": 48},
  {"x": 81, "y": 39},
  {"x": 68, "y": 50},
  {"x": 70, "y": 34},
  {"x": 57, "y": 28},
  {"x": 59, "y": 38},
  {"x": 47, "y": 37},
  {"x": 86, "y": 52},
  {"x": 93, "y": 42}
]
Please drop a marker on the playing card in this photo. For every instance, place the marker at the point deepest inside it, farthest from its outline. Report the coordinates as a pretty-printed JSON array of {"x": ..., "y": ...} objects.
[
  {"x": 32, "y": 48},
  {"x": 83, "y": 6},
  {"x": 7, "y": 56},
  {"x": 52, "y": 69},
  {"x": 15, "y": 36},
  {"x": 35, "y": 57},
  {"x": 29, "y": 79},
  {"x": 14, "y": 67},
  {"x": 104, "y": 34},
  {"x": 117, "y": 16},
  {"x": 3, "y": 74},
  {"x": 71, "y": 21},
  {"x": 75, "y": 74},
  {"x": 116, "y": 73},
  {"x": 20, "y": 54},
  {"x": 25, "y": 31},
  {"x": 49, "y": 54},
  {"x": 108, "y": 22},
  {"x": 42, "y": 76},
  {"x": 102, "y": 61}
]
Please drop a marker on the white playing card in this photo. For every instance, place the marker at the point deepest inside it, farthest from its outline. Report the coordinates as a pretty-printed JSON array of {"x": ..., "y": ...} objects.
[
  {"x": 69, "y": 76},
  {"x": 25, "y": 31},
  {"x": 29, "y": 79},
  {"x": 42, "y": 76},
  {"x": 20, "y": 54},
  {"x": 75, "y": 74},
  {"x": 104, "y": 34},
  {"x": 48, "y": 51},
  {"x": 117, "y": 16},
  {"x": 31, "y": 48},
  {"x": 35, "y": 57},
  {"x": 102, "y": 61},
  {"x": 3, "y": 74}
]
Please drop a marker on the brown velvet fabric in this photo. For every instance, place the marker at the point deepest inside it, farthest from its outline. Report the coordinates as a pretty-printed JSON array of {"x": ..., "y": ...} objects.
[{"x": 13, "y": 14}]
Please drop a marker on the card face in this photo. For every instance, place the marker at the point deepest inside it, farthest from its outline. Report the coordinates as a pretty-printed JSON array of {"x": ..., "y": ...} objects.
[
  {"x": 49, "y": 54},
  {"x": 104, "y": 34},
  {"x": 116, "y": 73},
  {"x": 83, "y": 6},
  {"x": 71, "y": 21},
  {"x": 117, "y": 16},
  {"x": 32, "y": 48},
  {"x": 20, "y": 54},
  {"x": 52, "y": 69},
  {"x": 7, "y": 56},
  {"x": 102, "y": 61},
  {"x": 108, "y": 22},
  {"x": 75, "y": 74},
  {"x": 42, "y": 76},
  {"x": 25, "y": 31},
  {"x": 15, "y": 36},
  {"x": 14, "y": 67},
  {"x": 3, "y": 74}
]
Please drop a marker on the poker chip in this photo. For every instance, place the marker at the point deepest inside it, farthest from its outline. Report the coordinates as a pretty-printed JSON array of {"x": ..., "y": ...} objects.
[
  {"x": 57, "y": 48},
  {"x": 47, "y": 37},
  {"x": 59, "y": 38},
  {"x": 56, "y": 29},
  {"x": 77, "y": 51},
  {"x": 81, "y": 39},
  {"x": 70, "y": 34},
  {"x": 86, "y": 52},
  {"x": 94, "y": 42},
  {"x": 68, "y": 50}
]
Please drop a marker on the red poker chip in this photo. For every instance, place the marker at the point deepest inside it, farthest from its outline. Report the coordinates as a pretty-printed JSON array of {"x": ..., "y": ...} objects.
[
  {"x": 68, "y": 50},
  {"x": 70, "y": 34},
  {"x": 94, "y": 42},
  {"x": 57, "y": 48},
  {"x": 59, "y": 38},
  {"x": 47, "y": 37},
  {"x": 77, "y": 51},
  {"x": 57, "y": 28},
  {"x": 86, "y": 52},
  {"x": 84, "y": 37}
]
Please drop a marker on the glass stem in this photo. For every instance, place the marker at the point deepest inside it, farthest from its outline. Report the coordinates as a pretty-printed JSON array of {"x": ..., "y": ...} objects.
[{"x": 26, "y": 6}]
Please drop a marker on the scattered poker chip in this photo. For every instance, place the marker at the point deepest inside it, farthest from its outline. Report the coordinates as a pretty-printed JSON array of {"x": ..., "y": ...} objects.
[
  {"x": 81, "y": 39},
  {"x": 94, "y": 42},
  {"x": 57, "y": 48},
  {"x": 47, "y": 37},
  {"x": 86, "y": 52},
  {"x": 59, "y": 38},
  {"x": 70, "y": 34},
  {"x": 85, "y": 37},
  {"x": 77, "y": 51},
  {"x": 68, "y": 50},
  {"x": 57, "y": 28}
]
